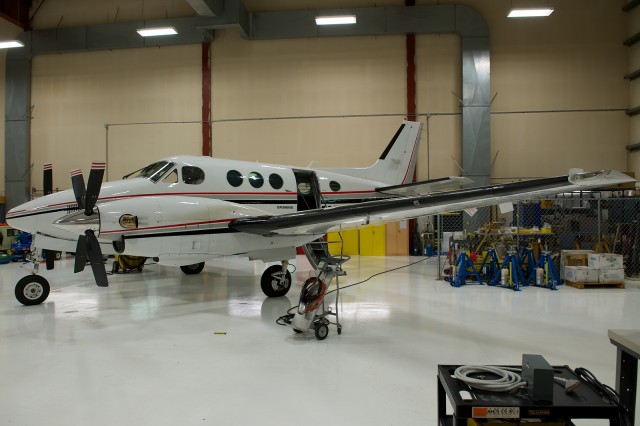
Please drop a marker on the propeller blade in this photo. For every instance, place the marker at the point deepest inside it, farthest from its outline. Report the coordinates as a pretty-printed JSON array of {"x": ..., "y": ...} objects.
[
  {"x": 93, "y": 186},
  {"x": 81, "y": 254},
  {"x": 77, "y": 182},
  {"x": 47, "y": 179},
  {"x": 95, "y": 257}
]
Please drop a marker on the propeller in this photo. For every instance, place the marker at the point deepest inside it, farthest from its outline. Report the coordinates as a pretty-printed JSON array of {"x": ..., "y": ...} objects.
[
  {"x": 47, "y": 186},
  {"x": 47, "y": 178},
  {"x": 88, "y": 246}
]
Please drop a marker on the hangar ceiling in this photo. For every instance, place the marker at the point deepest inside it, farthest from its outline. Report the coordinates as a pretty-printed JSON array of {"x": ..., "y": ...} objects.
[{"x": 223, "y": 14}]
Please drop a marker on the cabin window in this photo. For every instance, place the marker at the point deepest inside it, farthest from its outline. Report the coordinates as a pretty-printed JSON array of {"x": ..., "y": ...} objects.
[
  {"x": 192, "y": 175},
  {"x": 335, "y": 186},
  {"x": 256, "y": 180},
  {"x": 275, "y": 180},
  {"x": 234, "y": 178},
  {"x": 171, "y": 177}
]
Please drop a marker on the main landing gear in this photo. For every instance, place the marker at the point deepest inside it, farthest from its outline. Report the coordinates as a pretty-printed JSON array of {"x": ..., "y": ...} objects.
[{"x": 276, "y": 280}]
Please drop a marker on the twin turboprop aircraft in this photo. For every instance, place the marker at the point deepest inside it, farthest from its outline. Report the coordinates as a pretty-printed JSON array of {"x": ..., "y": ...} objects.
[{"x": 183, "y": 210}]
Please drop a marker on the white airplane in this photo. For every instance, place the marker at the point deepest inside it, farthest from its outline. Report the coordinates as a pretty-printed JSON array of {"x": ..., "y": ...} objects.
[{"x": 184, "y": 210}]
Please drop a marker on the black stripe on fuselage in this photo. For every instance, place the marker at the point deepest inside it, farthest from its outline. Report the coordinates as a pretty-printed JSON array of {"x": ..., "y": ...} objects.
[{"x": 182, "y": 233}]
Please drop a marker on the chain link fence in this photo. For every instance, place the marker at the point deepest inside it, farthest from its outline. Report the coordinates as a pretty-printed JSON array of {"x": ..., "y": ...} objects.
[{"x": 598, "y": 221}]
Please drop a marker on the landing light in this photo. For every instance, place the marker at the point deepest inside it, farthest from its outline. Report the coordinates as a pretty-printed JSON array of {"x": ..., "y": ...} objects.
[{"x": 128, "y": 221}]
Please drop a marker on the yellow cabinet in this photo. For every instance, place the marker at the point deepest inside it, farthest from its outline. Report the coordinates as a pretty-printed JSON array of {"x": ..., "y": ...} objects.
[
  {"x": 372, "y": 240},
  {"x": 349, "y": 243}
]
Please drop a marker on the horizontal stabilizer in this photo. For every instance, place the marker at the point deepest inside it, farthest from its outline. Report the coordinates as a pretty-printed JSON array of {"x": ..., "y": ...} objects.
[{"x": 425, "y": 187}]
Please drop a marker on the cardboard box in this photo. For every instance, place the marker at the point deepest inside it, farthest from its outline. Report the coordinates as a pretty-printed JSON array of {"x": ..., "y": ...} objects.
[
  {"x": 581, "y": 274},
  {"x": 611, "y": 275},
  {"x": 573, "y": 258},
  {"x": 605, "y": 261}
]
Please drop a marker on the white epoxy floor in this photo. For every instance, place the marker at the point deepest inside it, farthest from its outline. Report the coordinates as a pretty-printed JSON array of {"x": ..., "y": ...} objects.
[{"x": 147, "y": 349}]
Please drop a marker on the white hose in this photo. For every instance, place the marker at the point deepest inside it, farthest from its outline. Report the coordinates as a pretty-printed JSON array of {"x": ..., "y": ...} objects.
[{"x": 507, "y": 381}]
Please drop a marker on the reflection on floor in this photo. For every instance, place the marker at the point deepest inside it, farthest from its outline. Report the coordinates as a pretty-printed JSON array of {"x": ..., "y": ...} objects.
[{"x": 152, "y": 349}]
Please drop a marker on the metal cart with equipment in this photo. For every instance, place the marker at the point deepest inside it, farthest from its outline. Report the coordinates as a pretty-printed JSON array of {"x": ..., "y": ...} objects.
[{"x": 312, "y": 312}]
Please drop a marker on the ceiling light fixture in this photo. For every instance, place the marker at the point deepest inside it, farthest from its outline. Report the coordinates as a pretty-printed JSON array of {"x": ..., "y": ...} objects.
[
  {"x": 335, "y": 20},
  {"x": 10, "y": 43},
  {"x": 153, "y": 32},
  {"x": 530, "y": 13}
]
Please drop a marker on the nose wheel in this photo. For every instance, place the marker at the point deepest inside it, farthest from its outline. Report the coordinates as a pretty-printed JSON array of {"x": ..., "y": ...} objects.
[{"x": 32, "y": 290}]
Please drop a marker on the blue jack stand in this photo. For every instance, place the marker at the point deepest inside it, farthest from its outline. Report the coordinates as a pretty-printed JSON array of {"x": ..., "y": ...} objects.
[
  {"x": 489, "y": 266},
  {"x": 515, "y": 276},
  {"x": 550, "y": 278},
  {"x": 463, "y": 270},
  {"x": 528, "y": 264}
]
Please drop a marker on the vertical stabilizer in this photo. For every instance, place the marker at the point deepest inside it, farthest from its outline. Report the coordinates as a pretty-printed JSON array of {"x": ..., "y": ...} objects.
[{"x": 397, "y": 162}]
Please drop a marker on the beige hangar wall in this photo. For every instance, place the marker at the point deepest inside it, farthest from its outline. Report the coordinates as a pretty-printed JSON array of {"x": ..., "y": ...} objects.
[
  {"x": 75, "y": 95},
  {"x": 570, "y": 67},
  {"x": 265, "y": 93}
]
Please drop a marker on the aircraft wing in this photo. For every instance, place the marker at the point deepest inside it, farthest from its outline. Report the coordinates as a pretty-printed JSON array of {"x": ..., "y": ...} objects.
[
  {"x": 425, "y": 187},
  {"x": 319, "y": 221}
]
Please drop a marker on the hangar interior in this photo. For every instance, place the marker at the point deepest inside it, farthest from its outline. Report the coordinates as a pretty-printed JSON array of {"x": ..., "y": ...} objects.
[{"x": 499, "y": 100}]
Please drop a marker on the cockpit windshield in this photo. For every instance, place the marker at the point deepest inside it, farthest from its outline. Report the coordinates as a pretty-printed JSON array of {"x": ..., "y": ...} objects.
[{"x": 153, "y": 172}]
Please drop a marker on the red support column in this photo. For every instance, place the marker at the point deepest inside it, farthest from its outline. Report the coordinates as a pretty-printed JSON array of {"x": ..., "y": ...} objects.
[
  {"x": 411, "y": 77},
  {"x": 206, "y": 99},
  {"x": 410, "y": 43}
]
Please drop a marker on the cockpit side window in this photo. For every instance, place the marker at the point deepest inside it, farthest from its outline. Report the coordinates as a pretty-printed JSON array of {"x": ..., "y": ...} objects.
[
  {"x": 171, "y": 177},
  {"x": 153, "y": 172},
  {"x": 192, "y": 175}
]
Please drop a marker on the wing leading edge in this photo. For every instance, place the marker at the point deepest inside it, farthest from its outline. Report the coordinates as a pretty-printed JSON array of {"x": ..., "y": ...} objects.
[{"x": 393, "y": 209}]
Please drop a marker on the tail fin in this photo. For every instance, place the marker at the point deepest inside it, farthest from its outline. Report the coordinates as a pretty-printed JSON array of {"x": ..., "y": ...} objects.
[{"x": 397, "y": 162}]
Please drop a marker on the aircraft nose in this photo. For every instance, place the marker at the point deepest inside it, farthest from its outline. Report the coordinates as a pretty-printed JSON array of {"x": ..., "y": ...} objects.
[{"x": 17, "y": 219}]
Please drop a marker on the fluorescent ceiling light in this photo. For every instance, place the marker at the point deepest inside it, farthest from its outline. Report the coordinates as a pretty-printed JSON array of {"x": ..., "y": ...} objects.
[
  {"x": 530, "y": 13},
  {"x": 335, "y": 20},
  {"x": 152, "y": 32},
  {"x": 10, "y": 43}
]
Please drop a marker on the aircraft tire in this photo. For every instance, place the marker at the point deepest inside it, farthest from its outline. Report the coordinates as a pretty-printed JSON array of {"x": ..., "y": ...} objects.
[
  {"x": 32, "y": 290},
  {"x": 271, "y": 286},
  {"x": 196, "y": 268}
]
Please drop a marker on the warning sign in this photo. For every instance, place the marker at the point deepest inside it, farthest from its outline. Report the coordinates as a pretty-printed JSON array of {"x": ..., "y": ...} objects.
[{"x": 495, "y": 412}]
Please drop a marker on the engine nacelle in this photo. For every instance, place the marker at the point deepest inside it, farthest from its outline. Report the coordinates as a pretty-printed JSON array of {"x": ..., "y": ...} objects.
[{"x": 167, "y": 226}]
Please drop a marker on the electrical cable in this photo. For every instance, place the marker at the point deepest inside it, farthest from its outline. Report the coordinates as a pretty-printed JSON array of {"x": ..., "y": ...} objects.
[
  {"x": 606, "y": 392},
  {"x": 286, "y": 319},
  {"x": 379, "y": 273}
]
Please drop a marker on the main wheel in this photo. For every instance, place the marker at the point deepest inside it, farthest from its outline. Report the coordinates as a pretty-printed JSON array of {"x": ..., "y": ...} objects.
[
  {"x": 322, "y": 331},
  {"x": 196, "y": 268},
  {"x": 32, "y": 290},
  {"x": 272, "y": 284}
]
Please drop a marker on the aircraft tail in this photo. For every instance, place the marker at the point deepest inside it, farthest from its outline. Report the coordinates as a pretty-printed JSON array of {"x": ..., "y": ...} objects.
[{"x": 397, "y": 162}]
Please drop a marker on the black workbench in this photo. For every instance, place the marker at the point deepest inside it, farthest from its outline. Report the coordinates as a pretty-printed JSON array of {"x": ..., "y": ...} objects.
[{"x": 583, "y": 403}]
